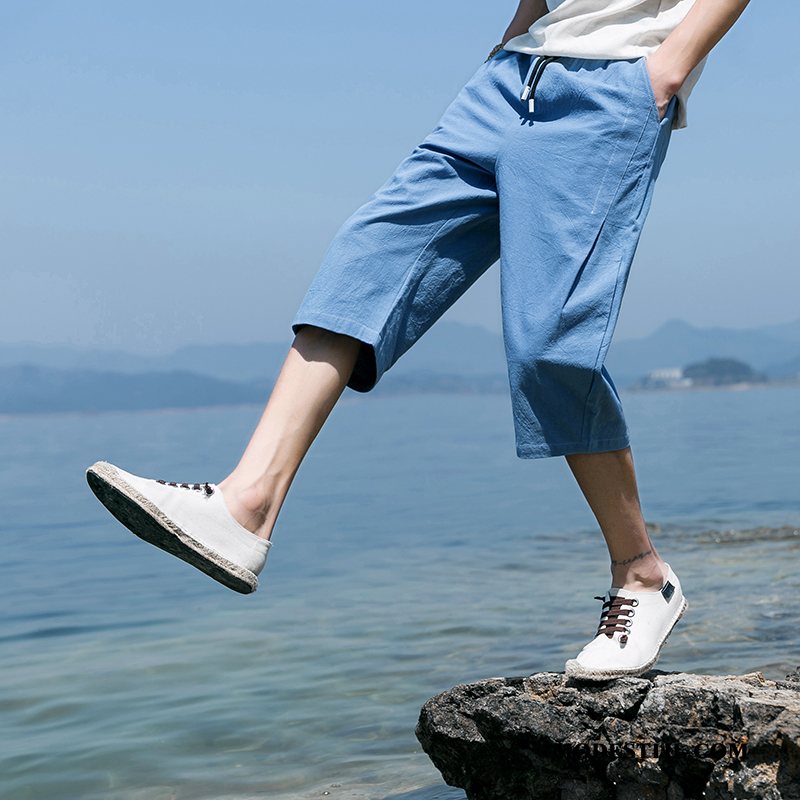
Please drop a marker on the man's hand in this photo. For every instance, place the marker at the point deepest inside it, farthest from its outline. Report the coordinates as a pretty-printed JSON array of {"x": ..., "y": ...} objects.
[
  {"x": 664, "y": 80},
  {"x": 692, "y": 39}
]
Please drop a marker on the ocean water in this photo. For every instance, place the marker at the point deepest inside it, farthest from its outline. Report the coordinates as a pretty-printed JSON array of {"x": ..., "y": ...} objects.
[{"x": 414, "y": 551}]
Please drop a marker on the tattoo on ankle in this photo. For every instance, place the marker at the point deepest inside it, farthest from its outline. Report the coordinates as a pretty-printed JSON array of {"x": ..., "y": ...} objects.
[{"x": 634, "y": 558}]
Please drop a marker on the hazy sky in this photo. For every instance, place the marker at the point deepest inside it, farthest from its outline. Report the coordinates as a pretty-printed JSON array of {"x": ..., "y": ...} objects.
[{"x": 172, "y": 172}]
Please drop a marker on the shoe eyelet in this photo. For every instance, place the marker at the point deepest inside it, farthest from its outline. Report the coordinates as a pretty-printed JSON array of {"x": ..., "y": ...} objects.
[
  {"x": 628, "y": 623},
  {"x": 631, "y": 612},
  {"x": 635, "y": 602}
]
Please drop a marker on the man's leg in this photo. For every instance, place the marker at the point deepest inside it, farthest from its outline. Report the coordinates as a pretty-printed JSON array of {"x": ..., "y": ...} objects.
[
  {"x": 394, "y": 267},
  {"x": 310, "y": 382},
  {"x": 645, "y": 600},
  {"x": 224, "y": 529},
  {"x": 608, "y": 482}
]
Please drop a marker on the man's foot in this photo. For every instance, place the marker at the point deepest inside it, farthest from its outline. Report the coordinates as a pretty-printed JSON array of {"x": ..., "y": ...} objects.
[
  {"x": 633, "y": 628},
  {"x": 190, "y": 521}
]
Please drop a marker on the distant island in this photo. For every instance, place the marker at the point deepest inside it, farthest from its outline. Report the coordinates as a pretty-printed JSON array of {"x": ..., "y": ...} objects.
[
  {"x": 452, "y": 358},
  {"x": 713, "y": 372}
]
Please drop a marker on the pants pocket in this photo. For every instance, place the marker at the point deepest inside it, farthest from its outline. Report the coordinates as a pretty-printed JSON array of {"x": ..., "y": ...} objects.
[{"x": 650, "y": 94}]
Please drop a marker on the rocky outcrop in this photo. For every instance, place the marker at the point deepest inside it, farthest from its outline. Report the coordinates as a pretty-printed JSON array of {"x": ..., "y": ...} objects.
[{"x": 660, "y": 736}]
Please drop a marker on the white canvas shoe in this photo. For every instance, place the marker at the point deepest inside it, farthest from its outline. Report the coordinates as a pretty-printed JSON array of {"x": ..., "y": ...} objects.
[
  {"x": 633, "y": 628},
  {"x": 189, "y": 520}
]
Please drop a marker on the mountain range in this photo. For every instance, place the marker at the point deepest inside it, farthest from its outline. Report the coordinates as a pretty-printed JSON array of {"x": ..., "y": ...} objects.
[{"x": 452, "y": 357}]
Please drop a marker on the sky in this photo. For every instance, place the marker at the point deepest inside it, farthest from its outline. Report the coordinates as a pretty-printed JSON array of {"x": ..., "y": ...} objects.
[{"x": 172, "y": 173}]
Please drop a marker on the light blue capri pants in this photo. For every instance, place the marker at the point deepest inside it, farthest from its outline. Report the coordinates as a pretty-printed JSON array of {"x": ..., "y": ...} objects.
[{"x": 558, "y": 190}]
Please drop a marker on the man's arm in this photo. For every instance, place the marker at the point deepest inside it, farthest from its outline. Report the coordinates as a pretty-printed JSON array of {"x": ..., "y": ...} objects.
[
  {"x": 692, "y": 39},
  {"x": 527, "y": 13}
]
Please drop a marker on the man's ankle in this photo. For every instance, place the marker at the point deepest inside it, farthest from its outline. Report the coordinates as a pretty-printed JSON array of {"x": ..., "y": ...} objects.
[
  {"x": 640, "y": 577},
  {"x": 249, "y": 506}
]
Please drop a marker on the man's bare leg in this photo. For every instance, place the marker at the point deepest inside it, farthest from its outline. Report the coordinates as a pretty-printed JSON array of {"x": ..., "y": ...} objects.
[
  {"x": 311, "y": 380},
  {"x": 608, "y": 482}
]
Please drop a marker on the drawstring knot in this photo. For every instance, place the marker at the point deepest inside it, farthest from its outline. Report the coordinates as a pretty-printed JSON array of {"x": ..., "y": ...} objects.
[{"x": 532, "y": 79}]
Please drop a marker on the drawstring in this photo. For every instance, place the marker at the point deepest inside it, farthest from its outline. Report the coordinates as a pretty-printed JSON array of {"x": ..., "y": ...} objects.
[{"x": 537, "y": 68}]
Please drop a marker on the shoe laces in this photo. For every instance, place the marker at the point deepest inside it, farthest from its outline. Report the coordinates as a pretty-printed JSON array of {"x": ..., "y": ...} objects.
[
  {"x": 614, "y": 617},
  {"x": 197, "y": 487}
]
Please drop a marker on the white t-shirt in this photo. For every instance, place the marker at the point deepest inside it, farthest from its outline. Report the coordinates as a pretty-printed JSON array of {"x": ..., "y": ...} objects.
[{"x": 608, "y": 29}]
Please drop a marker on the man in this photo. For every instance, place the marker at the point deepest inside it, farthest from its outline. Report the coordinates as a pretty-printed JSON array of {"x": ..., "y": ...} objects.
[{"x": 547, "y": 160}]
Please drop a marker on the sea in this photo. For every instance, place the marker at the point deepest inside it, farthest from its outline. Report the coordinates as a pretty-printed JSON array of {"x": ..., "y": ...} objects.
[{"x": 414, "y": 551}]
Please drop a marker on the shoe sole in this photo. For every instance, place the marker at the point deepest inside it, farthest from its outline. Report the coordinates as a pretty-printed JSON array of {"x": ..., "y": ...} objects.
[
  {"x": 574, "y": 670},
  {"x": 148, "y": 522}
]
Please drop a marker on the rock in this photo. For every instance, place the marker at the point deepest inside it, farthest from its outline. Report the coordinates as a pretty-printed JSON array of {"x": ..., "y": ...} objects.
[{"x": 660, "y": 736}]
